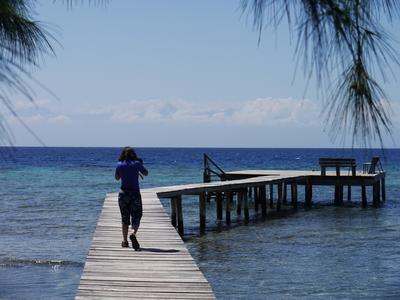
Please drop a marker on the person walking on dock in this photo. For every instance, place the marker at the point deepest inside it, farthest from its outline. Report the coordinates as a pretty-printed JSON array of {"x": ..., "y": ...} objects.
[{"x": 128, "y": 169}]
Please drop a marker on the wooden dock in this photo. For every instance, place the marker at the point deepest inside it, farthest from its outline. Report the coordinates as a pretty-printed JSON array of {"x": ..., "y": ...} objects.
[
  {"x": 164, "y": 269},
  {"x": 262, "y": 184}
]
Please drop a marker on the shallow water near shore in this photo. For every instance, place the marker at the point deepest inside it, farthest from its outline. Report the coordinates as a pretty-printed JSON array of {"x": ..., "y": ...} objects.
[{"x": 50, "y": 199}]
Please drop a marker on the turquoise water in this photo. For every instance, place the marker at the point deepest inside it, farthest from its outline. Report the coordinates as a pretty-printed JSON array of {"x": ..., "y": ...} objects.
[{"x": 50, "y": 199}]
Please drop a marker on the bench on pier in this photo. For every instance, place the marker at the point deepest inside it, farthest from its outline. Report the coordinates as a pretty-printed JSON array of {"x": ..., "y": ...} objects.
[{"x": 337, "y": 163}]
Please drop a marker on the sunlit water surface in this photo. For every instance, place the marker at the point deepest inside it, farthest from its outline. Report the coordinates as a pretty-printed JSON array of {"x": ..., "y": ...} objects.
[{"x": 50, "y": 199}]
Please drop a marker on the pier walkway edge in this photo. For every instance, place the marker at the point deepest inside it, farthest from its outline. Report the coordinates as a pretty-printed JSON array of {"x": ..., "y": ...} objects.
[{"x": 164, "y": 269}]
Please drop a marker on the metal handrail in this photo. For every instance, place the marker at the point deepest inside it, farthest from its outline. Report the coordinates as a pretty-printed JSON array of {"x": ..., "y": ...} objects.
[
  {"x": 208, "y": 171},
  {"x": 377, "y": 168}
]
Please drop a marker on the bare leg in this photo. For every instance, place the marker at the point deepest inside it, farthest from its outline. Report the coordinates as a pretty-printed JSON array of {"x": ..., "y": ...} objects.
[{"x": 125, "y": 229}]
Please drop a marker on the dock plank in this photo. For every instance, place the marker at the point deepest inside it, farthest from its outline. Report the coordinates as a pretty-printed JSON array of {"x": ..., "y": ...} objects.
[{"x": 164, "y": 269}]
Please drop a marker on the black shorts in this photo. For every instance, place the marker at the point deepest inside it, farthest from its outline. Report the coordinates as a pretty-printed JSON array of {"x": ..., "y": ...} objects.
[{"x": 130, "y": 205}]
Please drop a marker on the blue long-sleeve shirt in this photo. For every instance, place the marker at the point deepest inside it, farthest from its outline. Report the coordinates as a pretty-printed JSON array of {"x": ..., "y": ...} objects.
[{"x": 128, "y": 171}]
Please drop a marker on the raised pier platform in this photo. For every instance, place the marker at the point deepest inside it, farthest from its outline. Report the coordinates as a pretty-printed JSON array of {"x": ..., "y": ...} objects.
[
  {"x": 164, "y": 269},
  {"x": 239, "y": 186}
]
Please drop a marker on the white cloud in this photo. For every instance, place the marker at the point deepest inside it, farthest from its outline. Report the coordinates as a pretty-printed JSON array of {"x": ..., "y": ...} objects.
[
  {"x": 250, "y": 119},
  {"x": 258, "y": 112},
  {"x": 278, "y": 111},
  {"x": 60, "y": 119},
  {"x": 20, "y": 105},
  {"x": 30, "y": 120}
]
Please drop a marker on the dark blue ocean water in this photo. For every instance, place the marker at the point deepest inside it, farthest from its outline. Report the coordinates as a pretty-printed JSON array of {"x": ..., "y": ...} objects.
[{"x": 50, "y": 199}]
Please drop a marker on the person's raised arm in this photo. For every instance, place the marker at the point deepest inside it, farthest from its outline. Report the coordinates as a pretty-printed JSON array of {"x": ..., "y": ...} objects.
[
  {"x": 142, "y": 169},
  {"x": 117, "y": 176}
]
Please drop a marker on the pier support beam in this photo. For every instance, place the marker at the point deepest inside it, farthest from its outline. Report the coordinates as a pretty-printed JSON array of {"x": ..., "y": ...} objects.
[
  {"x": 173, "y": 211},
  {"x": 271, "y": 196},
  {"x": 363, "y": 196},
  {"x": 239, "y": 199},
  {"x": 284, "y": 193},
  {"x": 293, "y": 193},
  {"x": 376, "y": 191},
  {"x": 383, "y": 189},
  {"x": 202, "y": 210},
  {"x": 280, "y": 192},
  {"x": 256, "y": 198},
  {"x": 179, "y": 214},
  {"x": 228, "y": 199},
  {"x": 219, "y": 206},
  {"x": 245, "y": 206},
  {"x": 349, "y": 193},
  {"x": 263, "y": 200},
  {"x": 308, "y": 193},
  {"x": 338, "y": 194}
]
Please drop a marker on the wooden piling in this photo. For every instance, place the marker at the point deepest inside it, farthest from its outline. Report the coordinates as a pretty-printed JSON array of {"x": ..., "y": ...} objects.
[
  {"x": 363, "y": 196},
  {"x": 256, "y": 198},
  {"x": 336, "y": 199},
  {"x": 294, "y": 194},
  {"x": 341, "y": 194},
  {"x": 219, "y": 206},
  {"x": 173, "y": 211},
  {"x": 263, "y": 201},
  {"x": 338, "y": 194},
  {"x": 308, "y": 193},
  {"x": 280, "y": 192},
  {"x": 349, "y": 193},
  {"x": 239, "y": 198},
  {"x": 383, "y": 188},
  {"x": 271, "y": 196},
  {"x": 376, "y": 191},
  {"x": 284, "y": 193},
  {"x": 245, "y": 206},
  {"x": 179, "y": 214},
  {"x": 202, "y": 210},
  {"x": 228, "y": 200}
]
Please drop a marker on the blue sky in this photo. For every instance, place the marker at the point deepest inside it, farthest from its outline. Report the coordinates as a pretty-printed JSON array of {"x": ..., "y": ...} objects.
[{"x": 172, "y": 73}]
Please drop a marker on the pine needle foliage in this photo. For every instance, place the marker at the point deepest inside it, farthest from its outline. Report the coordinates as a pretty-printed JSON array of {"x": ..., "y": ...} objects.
[
  {"x": 343, "y": 37},
  {"x": 23, "y": 42}
]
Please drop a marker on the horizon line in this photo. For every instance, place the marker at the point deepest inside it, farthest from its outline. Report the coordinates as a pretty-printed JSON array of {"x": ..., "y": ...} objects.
[{"x": 203, "y": 147}]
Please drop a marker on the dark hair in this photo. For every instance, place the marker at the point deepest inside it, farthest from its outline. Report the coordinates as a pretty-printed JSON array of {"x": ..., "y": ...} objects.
[{"x": 128, "y": 153}]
